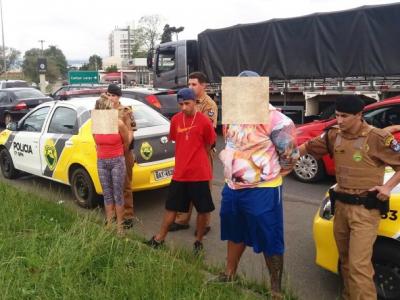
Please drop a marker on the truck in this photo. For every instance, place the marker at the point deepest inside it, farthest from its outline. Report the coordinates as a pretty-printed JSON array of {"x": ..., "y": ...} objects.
[{"x": 309, "y": 59}]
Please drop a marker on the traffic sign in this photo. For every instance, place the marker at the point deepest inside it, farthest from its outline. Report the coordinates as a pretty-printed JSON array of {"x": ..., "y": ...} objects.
[{"x": 79, "y": 77}]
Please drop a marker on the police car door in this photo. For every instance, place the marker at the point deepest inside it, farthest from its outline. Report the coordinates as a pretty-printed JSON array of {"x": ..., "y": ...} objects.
[
  {"x": 25, "y": 151},
  {"x": 56, "y": 138}
]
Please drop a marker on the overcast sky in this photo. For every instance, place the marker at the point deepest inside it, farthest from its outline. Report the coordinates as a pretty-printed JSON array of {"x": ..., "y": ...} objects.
[{"x": 81, "y": 27}]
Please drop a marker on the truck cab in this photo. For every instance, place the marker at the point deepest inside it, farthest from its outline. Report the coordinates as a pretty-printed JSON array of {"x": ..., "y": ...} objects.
[{"x": 172, "y": 62}]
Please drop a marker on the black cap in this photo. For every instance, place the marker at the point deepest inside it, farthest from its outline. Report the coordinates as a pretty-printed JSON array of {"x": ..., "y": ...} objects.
[
  {"x": 114, "y": 89},
  {"x": 350, "y": 104}
]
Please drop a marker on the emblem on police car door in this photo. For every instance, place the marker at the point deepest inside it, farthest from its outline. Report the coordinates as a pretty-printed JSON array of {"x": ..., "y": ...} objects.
[
  {"x": 50, "y": 154},
  {"x": 146, "y": 151},
  {"x": 164, "y": 140}
]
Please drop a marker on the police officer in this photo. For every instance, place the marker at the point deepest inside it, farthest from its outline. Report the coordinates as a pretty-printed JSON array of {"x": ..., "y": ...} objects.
[
  {"x": 126, "y": 115},
  {"x": 207, "y": 106},
  {"x": 361, "y": 153}
]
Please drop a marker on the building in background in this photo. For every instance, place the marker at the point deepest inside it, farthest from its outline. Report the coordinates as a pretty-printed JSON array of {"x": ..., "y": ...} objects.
[{"x": 121, "y": 41}]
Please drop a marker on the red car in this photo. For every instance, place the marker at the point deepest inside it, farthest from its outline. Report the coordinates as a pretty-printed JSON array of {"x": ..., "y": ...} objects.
[{"x": 379, "y": 114}]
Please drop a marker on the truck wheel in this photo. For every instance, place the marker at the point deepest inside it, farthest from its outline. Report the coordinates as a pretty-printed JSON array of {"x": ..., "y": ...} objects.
[
  {"x": 308, "y": 169},
  {"x": 83, "y": 189},
  {"x": 7, "y": 166},
  {"x": 386, "y": 261}
]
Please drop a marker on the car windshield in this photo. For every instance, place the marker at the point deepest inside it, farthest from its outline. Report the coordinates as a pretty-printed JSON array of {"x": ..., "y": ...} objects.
[
  {"x": 28, "y": 93},
  {"x": 147, "y": 117}
]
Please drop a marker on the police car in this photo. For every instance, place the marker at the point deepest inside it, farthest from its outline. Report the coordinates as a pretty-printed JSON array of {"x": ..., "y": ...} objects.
[
  {"x": 55, "y": 141},
  {"x": 386, "y": 255}
]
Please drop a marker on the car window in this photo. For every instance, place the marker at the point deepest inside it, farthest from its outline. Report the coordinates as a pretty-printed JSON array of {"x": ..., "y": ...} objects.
[
  {"x": 166, "y": 61},
  {"x": 28, "y": 93},
  {"x": 4, "y": 99},
  {"x": 147, "y": 117},
  {"x": 63, "y": 121},
  {"x": 34, "y": 122},
  {"x": 383, "y": 116}
]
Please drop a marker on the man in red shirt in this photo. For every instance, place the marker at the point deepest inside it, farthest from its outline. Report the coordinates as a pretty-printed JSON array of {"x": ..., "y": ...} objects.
[{"x": 194, "y": 135}]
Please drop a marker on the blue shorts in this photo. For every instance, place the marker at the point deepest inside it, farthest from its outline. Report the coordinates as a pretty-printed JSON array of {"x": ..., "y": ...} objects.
[{"x": 253, "y": 216}]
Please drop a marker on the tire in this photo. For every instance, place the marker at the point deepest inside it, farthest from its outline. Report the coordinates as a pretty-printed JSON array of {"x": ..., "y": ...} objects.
[
  {"x": 7, "y": 166},
  {"x": 308, "y": 169},
  {"x": 386, "y": 261},
  {"x": 83, "y": 189},
  {"x": 7, "y": 119}
]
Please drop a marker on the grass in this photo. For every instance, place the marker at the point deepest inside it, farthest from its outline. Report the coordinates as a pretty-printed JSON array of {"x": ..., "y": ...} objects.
[{"x": 51, "y": 251}]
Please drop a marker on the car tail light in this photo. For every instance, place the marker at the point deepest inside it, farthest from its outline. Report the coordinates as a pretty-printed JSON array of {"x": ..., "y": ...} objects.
[
  {"x": 20, "y": 106},
  {"x": 151, "y": 99}
]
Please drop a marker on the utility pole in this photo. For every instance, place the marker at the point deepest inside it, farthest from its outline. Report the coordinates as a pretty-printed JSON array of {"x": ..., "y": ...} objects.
[
  {"x": 2, "y": 34},
  {"x": 41, "y": 42}
]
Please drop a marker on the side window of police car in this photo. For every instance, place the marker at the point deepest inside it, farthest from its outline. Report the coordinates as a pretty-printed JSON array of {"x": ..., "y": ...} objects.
[
  {"x": 63, "y": 121},
  {"x": 34, "y": 122}
]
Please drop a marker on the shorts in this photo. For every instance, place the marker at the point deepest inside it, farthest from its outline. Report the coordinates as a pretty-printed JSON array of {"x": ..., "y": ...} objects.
[
  {"x": 181, "y": 193},
  {"x": 253, "y": 216}
]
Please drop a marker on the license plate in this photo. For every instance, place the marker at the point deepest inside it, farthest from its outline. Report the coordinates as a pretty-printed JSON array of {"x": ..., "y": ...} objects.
[{"x": 163, "y": 174}]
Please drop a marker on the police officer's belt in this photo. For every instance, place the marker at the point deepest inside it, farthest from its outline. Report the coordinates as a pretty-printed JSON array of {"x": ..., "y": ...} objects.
[{"x": 370, "y": 201}]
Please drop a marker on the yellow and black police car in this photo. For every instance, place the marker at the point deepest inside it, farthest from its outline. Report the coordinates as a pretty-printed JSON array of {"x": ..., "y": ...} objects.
[
  {"x": 386, "y": 255},
  {"x": 55, "y": 141}
]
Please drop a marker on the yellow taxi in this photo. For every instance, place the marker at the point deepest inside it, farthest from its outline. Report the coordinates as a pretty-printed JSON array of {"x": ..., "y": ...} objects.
[
  {"x": 55, "y": 141},
  {"x": 386, "y": 255}
]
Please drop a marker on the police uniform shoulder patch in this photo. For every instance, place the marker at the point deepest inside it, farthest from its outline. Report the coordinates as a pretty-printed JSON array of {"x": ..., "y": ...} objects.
[
  {"x": 210, "y": 113},
  {"x": 388, "y": 140},
  {"x": 395, "y": 145}
]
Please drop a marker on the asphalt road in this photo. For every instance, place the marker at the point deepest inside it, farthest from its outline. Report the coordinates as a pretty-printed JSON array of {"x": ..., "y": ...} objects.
[{"x": 301, "y": 202}]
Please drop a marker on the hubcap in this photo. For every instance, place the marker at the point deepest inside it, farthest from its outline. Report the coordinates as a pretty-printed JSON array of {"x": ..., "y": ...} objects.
[
  {"x": 306, "y": 167},
  {"x": 387, "y": 280},
  {"x": 81, "y": 187}
]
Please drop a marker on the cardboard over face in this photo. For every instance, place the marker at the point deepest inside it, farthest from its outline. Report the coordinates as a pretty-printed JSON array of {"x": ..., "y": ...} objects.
[
  {"x": 245, "y": 100},
  {"x": 104, "y": 121}
]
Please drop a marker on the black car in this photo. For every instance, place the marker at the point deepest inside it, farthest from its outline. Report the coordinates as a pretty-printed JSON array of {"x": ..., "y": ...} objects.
[
  {"x": 16, "y": 102},
  {"x": 164, "y": 101}
]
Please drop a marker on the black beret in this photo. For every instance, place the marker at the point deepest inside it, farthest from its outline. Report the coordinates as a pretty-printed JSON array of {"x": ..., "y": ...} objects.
[{"x": 350, "y": 104}]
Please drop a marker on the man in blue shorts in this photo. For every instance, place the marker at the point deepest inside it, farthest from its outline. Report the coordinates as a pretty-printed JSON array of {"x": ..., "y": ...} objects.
[{"x": 255, "y": 158}]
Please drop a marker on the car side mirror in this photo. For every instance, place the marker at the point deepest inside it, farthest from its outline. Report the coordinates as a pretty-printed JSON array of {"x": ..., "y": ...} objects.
[{"x": 13, "y": 126}]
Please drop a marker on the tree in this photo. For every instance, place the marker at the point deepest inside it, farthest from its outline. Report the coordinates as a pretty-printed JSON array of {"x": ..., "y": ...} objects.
[
  {"x": 150, "y": 30},
  {"x": 58, "y": 57},
  {"x": 84, "y": 67},
  {"x": 112, "y": 68},
  {"x": 137, "y": 44},
  {"x": 12, "y": 56},
  {"x": 166, "y": 35},
  {"x": 176, "y": 30},
  {"x": 95, "y": 62},
  {"x": 56, "y": 64}
]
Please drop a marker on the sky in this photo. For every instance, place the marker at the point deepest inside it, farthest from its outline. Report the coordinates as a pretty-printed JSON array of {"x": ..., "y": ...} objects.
[{"x": 80, "y": 28}]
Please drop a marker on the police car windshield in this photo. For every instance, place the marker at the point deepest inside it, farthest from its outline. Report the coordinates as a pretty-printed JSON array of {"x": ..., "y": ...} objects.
[
  {"x": 147, "y": 117},
  {"x": 28, "y": 93}
]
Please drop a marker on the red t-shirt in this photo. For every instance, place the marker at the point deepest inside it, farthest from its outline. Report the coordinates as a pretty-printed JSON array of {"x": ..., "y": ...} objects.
[
  {"x": 108, "y": 145},
  {"x": 192, "y": 135}
]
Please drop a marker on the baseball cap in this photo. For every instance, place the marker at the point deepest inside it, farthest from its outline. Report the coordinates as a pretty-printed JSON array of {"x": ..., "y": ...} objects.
[{"x": 186, "y": 94}]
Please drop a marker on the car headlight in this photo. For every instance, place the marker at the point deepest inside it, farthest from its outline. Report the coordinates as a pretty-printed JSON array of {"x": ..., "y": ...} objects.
[{"x": 325, "y": 212}]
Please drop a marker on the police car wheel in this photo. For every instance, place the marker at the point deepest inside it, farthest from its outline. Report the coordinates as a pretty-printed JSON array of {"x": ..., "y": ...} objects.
[
  {"x": 7, "y": 166},
  {"x": 308, "y": 169},
  {"x": 386, "y": 261},
  {"x": 83, "y": 189}
]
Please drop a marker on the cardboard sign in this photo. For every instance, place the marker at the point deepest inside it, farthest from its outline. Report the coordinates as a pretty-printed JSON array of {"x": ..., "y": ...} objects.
[
  {"x": 104, "y": 121},
  {"x": 245, "y": 100}
]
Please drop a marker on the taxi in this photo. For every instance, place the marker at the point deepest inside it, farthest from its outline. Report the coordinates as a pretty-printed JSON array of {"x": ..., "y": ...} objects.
[
  {"x": 55, "y": 141},
  {"x": 386, "y": 255}
]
